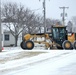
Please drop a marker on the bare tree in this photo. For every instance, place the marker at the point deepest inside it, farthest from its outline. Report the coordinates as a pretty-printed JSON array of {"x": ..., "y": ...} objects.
[
  {"x": 18, "y": 19},
  {"x": 40, "y": 21},
  {"x": 36, "y": 23},
  {"x": 15, "y": 18},
  {"x": 74, "y": 20},
  {"x": 74, "y": 23},
  {"x": 33, "y": 22},
  {"x": 69, "y": 26}
]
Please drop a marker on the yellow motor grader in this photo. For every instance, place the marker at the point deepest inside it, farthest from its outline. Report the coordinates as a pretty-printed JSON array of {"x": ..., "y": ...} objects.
[{"x": 58, "y": 38}]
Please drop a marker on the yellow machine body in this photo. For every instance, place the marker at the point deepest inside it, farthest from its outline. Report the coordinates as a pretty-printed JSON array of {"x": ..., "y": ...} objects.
[
  {"x": 71, "y": 37},
  {"x": 27, "y": 37}
]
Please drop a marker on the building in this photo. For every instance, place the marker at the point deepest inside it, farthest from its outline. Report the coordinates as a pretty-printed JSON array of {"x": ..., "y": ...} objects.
[{"x": 9, "y": 39}]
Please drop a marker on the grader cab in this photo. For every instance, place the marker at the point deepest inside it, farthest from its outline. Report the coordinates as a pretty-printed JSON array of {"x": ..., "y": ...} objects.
[
  {"x": 63, "y": 38},
  {"x": 58, "y": 38},
  {"x": 59, "y": 34}
]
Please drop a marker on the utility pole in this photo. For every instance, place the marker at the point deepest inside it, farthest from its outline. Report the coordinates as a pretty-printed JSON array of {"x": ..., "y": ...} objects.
[
  {"x": 63, "y": 15},
  {"x": 44, "y": 12},
  {"x": 0, "y": 30}
]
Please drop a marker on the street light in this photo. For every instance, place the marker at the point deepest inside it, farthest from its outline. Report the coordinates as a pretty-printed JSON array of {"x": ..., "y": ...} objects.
[{"x": 0, "y": 30}]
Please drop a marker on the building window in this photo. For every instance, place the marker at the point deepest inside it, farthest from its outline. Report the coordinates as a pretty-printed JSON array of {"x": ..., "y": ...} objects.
[{"x": 6, "y": 37}]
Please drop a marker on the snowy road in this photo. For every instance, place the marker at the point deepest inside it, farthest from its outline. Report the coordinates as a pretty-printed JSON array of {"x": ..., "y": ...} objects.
[{"x": 63, "y": 64}]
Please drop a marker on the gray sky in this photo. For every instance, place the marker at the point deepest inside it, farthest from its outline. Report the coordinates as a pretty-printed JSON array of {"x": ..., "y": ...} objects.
[{"x": 52, "y": 7}]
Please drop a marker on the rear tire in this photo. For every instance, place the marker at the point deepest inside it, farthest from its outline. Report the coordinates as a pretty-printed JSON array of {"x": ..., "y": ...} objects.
[
  {"x": 74, "y": 45},
  {"x": 67, "y": 45}
]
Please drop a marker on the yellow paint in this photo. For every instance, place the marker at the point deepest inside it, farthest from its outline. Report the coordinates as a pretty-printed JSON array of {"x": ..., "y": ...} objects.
[
  {"x": 29, "y": 45},
  {"x": 71, "y": 38},
  {"x": 46, "y": 36},
  {"x": 67, "y": 45},
  {"x": 27, "y": 37}
]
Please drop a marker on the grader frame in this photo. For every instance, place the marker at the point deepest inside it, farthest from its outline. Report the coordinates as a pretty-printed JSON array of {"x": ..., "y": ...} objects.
[
  {"x": 45, "y": 37},
  {"x": 30, "y": 40}
]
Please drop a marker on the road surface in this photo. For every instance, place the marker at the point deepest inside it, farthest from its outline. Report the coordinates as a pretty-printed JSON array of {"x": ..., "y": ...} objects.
[{"x": 64, "y": 64}]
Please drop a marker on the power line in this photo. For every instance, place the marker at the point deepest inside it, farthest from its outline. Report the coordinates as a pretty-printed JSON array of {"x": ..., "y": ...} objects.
[
  {"x": 63, "y": 15},
  {"x": 36, "y": 9}
]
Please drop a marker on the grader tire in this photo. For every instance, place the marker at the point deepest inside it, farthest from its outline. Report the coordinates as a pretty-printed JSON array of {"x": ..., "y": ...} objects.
[
  {"x": 67, "y": 45},
  {"x": 23, "y": 45},
  {"x": 29, "y": 45},
  {"x": 74, "y": 45}
]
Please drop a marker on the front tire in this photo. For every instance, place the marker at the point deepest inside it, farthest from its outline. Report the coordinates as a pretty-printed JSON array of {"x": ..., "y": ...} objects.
[
  {"x": 67, "y": 45},
  {"x": 23, "y": 45},
  {"x": 29, "y": 45}
]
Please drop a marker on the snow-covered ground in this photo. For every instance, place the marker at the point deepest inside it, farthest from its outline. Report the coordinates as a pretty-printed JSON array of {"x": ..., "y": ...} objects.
[{"x": 15, "y": 61}]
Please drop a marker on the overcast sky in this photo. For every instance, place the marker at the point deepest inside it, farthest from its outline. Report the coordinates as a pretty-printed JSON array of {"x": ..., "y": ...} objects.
[{"x": 52, "y": 7}]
